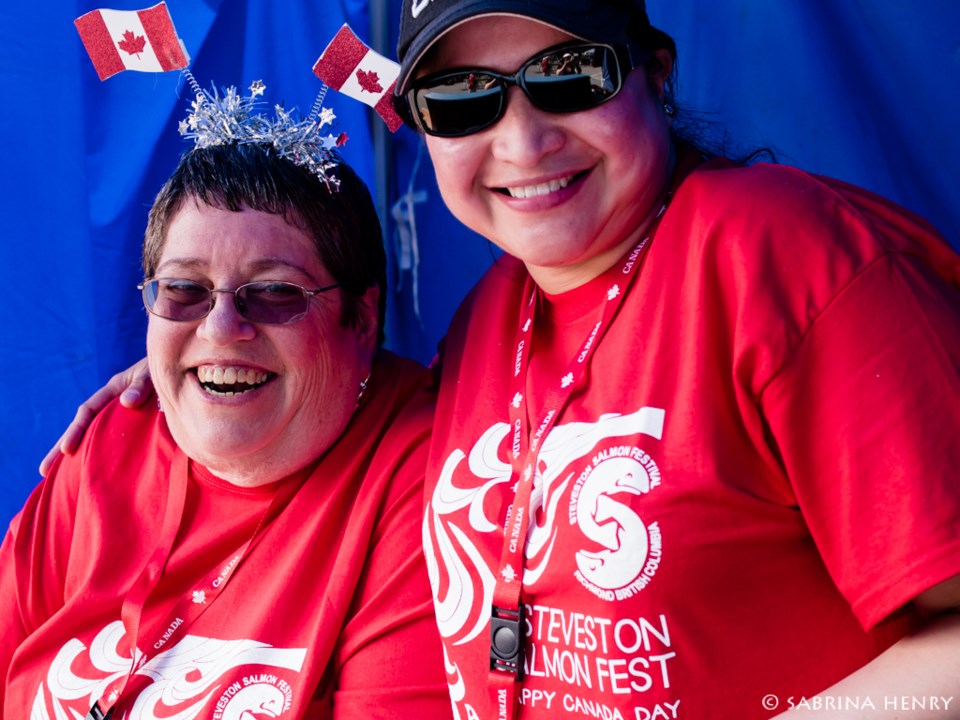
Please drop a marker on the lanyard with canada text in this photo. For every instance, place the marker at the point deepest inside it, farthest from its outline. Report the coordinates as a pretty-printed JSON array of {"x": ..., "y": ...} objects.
[
  {"x": 507, "y": 620},
  {"x": 192, "y": 604}
]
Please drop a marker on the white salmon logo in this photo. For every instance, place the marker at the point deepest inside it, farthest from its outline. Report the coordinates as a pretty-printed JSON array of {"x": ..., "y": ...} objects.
[{"x": 613, "y": 532}]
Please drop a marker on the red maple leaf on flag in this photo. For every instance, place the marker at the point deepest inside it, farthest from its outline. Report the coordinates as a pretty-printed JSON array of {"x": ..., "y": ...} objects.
[
  {"x": 131, "y": 43},
  {"x": 369, "y": 81}
]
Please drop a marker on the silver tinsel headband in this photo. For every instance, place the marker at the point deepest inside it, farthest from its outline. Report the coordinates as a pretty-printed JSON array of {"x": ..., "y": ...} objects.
[{"x": 230, "y": 119}]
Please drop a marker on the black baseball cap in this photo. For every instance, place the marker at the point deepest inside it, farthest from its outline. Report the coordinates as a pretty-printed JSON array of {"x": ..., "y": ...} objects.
[{"x": 423, "y": 22}]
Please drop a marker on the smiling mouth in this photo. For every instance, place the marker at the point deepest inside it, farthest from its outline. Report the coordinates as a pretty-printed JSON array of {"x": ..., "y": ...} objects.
[
  {"x": 227, "y": 381},
  {"x": 528, "y": 191}
]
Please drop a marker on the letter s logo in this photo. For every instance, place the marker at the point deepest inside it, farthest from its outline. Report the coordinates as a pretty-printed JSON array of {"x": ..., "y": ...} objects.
[{"x": 605, "y": 518}]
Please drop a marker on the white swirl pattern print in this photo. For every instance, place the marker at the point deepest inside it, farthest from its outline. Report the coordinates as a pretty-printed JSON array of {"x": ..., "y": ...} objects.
[
  {"x": 185, "y": 677},
  {"x": 462, "y": 581}
]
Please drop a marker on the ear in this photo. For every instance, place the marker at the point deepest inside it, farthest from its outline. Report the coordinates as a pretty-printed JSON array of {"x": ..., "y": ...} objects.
[
  {"x": 661, "y": 70},
  {"x": 368, "y": 318}
]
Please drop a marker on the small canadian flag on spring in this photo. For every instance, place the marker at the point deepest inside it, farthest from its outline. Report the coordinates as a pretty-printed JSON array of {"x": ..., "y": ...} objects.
[
  {"x": 350, "y": 66},
  {"x": 143, "y": 40}
]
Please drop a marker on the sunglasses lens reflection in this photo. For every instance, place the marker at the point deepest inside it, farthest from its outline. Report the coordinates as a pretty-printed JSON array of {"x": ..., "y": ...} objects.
[{"x": 567, "y": 79}]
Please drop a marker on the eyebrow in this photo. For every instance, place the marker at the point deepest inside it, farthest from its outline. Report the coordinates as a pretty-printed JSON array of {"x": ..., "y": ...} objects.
[{"x": 200, "y": 265}]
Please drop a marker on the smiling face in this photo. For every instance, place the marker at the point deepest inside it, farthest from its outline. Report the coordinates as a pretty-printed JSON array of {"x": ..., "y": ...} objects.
[
  {"x": 567, "y": 194},
  {"x": 255, "y": 402}
]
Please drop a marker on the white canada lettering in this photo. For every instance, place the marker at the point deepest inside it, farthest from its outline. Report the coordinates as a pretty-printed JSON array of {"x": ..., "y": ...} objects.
[
  {"x": 516, "y": 364},
  {"x": 502, "y": 703},
  {"x": 587, "y": 707},
  {"x": 586, "y": 348},
  {"x": 628, "y": 266},
  {"x": 515, "y": 530},
  {"x": 169, "y": 632},
  {"x": 218, "y": 581}
]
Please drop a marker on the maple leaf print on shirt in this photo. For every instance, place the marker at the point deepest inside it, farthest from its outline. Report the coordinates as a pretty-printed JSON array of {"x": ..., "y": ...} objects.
[
  {"x": 369, "y": 81},
  {"x": 132, "y": 44}
]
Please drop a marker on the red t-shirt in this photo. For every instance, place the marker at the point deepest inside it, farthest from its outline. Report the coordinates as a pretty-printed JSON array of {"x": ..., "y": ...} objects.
[
  {"x": 327, "y": 616},
  {"x": 755, "y": 475}
]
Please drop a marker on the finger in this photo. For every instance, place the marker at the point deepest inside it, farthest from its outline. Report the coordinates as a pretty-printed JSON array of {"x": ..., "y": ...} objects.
[
  {"x": 135, "y": 384},
  {"x": 47, "y": 462},
  {"x": 138, "y": 392},
  {"x": 70, "y": 440}
]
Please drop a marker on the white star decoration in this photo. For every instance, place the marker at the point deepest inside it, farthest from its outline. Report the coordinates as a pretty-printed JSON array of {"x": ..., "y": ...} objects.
[
  {"x": 226, "y": 118},
  {"x": 567, "y": 379},
  {"x": 517, "y": 399},
  {"x": 199, "y": 597},
  {"x": 613, "y": 292},
  {"x": 508, "y": 574}
]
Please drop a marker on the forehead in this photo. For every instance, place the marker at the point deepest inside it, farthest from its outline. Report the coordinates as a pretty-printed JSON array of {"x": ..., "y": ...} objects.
[
  {"x": 223, "y": 240},
  {"x": 498, "y": 42}
]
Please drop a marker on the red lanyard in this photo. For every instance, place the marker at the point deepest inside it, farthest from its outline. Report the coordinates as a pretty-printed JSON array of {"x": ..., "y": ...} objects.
[
  {"x": 192, "y": 604},
  {"x": 507, "y": 614}
]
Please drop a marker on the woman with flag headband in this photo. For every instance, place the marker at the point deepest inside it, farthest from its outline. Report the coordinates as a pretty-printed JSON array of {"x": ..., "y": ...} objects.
[
  {"x": 695, "y": 446},
  {"x": 247, "y": 547}
]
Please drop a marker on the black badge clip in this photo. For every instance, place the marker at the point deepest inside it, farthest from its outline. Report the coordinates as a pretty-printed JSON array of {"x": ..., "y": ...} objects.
[{"x": 506, "y": 641}]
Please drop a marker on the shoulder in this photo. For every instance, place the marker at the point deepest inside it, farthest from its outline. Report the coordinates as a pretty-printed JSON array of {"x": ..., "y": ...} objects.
[
  {"x": 763, "y": 202},
  {"x": 120, "y": 440},
  {"x": 398, "y": 375},
  {"x": 765, "y": 250},
  {"x": 488, "y": 310},
  {"x": 772, "y": 228},
  {"x": 396, "y": 411},
  {"x": 505, "y": 278}
]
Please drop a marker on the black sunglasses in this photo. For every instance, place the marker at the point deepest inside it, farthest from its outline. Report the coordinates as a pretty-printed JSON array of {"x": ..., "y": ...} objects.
[
  {"x": 561, "y": 79},
  {"x": 271, "y": 302}
]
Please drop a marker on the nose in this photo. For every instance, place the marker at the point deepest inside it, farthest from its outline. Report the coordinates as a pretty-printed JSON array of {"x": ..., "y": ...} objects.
[
  {"x": 525, "y": 134},
  {"x": 224, "y": 324}
]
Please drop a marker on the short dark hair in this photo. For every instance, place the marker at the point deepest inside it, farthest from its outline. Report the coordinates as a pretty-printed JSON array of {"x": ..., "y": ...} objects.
[{"x": 342, "y": 221}]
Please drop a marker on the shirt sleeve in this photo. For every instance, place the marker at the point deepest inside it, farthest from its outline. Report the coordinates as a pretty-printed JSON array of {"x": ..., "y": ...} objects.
[
  {"x": 390, "y": 655},
  {"x": 33, "y": 560},
  {"x": 865, "y": 415},
  {"x": 13, "y": 632}
]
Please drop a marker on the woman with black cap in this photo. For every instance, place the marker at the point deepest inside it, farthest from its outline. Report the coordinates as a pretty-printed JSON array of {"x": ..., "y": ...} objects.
[{"x": 695, "y": 452}]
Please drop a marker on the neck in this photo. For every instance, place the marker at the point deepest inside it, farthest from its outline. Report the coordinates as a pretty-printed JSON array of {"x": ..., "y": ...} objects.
[
  {"x": 246, "y": 476},
  {"x": 562, "y": 278}
]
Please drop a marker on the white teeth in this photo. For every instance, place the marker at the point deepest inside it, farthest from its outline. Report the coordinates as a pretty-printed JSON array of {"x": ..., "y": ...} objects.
[
  {"x": 218, "y": 375},
  {"x": 526, "y": 191}
]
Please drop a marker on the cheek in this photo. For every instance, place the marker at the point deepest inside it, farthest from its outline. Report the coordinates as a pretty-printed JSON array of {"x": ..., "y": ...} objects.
[
  {"x": 163, "y": 352},
  {"x": 452, "y": 163}
]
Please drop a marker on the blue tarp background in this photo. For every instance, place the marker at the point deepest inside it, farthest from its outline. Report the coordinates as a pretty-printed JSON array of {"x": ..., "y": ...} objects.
[{"x": 863, "y": 90}]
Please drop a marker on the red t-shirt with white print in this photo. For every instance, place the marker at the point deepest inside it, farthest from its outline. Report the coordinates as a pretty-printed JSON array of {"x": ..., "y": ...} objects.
[
  {"x": 754, "y": 476},
  {"x": 327, "y": 616}
]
